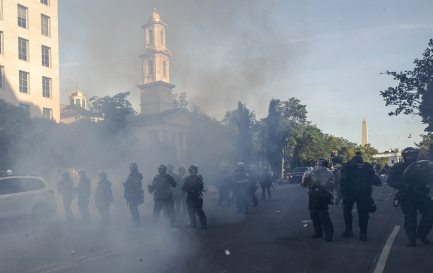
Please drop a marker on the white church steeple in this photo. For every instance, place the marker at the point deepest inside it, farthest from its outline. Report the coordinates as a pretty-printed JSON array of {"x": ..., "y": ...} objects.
[
  {"x": 156, "y": 59},
  {"x": 156, "y": 89}
]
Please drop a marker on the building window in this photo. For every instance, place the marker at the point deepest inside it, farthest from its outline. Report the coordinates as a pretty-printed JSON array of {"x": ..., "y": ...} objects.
[
  {"x": 47, "y": 113},
  {"x": 151, "y": 40},
  {"x": 164, "y": 69},
  {"x": 150, "y": 67},
  {"x": 23, "y": 49},
  {"x": 45, "y": 2},
  {"x": 45, "y": 25},
  {"x": 25, "y": 108},
  {"x": 162, "y": 37},
  {"x": 24, "y": 82},
  {"x": 22, "y": 16},
  {"x": 46, "y": 87},
  {"x": 46, "y": 56},
  {"x": 2, "y": 77}
]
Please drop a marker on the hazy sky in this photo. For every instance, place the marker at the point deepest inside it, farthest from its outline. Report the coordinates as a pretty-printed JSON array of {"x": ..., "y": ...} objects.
[{"x": 328, "y": 53}]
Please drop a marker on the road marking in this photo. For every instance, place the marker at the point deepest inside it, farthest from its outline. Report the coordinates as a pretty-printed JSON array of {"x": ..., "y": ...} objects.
[{"x": 380, "y": 266}]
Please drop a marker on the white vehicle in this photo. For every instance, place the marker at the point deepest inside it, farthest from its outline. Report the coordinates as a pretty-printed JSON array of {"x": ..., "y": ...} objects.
[{"x": 26, "y": 196}]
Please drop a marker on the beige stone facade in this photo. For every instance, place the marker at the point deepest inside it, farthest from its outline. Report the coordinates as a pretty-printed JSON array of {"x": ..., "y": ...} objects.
[
  {"x": 29, "y": 56},
  {"x": 160, "y": 127}
]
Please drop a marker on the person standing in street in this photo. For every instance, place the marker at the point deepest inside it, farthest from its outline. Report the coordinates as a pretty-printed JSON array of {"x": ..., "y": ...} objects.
[
  {"x": 163, "y": 195},
  {"x": 357, "y": 179},
  {"x": 266, "y": 183},
  {"x": 412, "y": 196},
  {"x": 103, "y": 197},
  {"x": 193, "y": 186},
  {"x": 66, "y": 189},
  {"x": 320, "y": 182},
  {"x": 133, "y": 192},
  {"x": 83, "y": 195}
]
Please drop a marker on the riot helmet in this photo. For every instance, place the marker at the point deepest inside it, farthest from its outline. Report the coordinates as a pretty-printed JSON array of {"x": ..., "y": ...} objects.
[
  {"x": 419, "y": 173},
  {"x": 133, "y": 167},
  {"x": 193, "y": 169},
  {"x": 410, "y": 155},
  {"x": 162, "y": 169}
]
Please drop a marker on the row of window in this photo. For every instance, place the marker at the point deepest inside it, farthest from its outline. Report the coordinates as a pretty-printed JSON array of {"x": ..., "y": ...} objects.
[
  {"x": 23, "y": 51},
  {"x": 23, "y": 21},
  {"x": 24, "y": 83},
  {"x": 151, "y": 69},
  {"x": 46, "y": 112},
  {"x": 151, "y": 40}
]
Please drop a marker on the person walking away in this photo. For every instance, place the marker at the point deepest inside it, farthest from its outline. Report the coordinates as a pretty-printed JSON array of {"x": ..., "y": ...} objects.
[
  {"x": 266, "y": 183},
  {"x": 163, "y": 195},
  {"x": 66, "y": 188},
  {"x": 103, "y": 197},
  {"x": 83, "y": 195},
  {"x": 133, "y": 192},
  {"x": 320, "y": 182},
  {"x": 357, "y": 179},
  {"x": 194, "y": 188}
]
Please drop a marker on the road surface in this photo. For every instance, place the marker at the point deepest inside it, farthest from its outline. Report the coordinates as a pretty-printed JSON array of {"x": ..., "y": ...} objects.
[{"x": 275, "y": 237}]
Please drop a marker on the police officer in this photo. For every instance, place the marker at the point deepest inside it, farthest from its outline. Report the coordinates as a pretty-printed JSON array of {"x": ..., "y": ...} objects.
[
  {"x": 241, "y": 187},
  {"x": 103, "y": 197},
  {"x": 224, "y": 186},
  {"x": 193, "y": 186},
  {"x": 254, "y": 179},
  {"x": 66, "y": 188},
  {"x": 133, "y": 193},
  {"x": 163, "y": 195},
  {"x": 414, "y": 196},
  {"x": 266, "y": 183},
  {"x": 357, "y": 178},
  {"x": 83, "y": 195},
  {"x": 320, "y": 183}
]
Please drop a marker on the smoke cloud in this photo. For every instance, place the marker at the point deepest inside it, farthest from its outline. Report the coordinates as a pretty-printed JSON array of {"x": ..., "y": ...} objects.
[{"x": 224, "y": 51}]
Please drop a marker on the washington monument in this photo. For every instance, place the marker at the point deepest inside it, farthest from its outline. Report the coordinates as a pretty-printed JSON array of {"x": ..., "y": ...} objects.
[{"x": 364, "y": 140}]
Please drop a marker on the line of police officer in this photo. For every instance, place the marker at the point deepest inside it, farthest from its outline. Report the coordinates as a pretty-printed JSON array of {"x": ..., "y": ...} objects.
[
  {"x": 162, "y": 187},
  {"x": 412, "y": 179}
]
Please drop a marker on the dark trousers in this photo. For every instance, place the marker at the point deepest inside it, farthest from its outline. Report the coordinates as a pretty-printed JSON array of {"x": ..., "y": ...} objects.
[
  {"x": 242, "y": 202},
  {"x": 362, "y": 205},
  {"x": 268, "y": 189},
  {"x": 83, "y": 206},
  {"x": 322, "y": 222},
  {"x": 68, "y": 211},
  {"x": 168, "y": 206},
  {"x": 104, "y": 212},
  {"x": 195, "y": 208},
  {"x": 224, "y": 195},
  {"x": 411, "y": 207},
  {"x": 133, "y": 208}
]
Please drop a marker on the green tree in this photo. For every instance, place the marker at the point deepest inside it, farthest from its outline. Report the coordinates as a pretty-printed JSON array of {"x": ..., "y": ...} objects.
[
  {"x": 414, "y": 91},
  {"x": 243, "y": 121},
  {"x": 113, "y": 111},
  {"x": 13, "y": 124}
]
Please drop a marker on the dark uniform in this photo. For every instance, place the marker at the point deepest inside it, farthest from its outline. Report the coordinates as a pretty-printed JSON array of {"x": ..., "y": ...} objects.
[
  {"x": 415, "y": 196},
  {"x": 66, "y": 189},
  {"x": 103, "y": 197},
  {"x": 163, "y": 195},
  {"x": 134, "y": 194},
  {"x": 357, "y": 178},
  {"x": 320, "y": 183},
  {"x": 224, "y": 187},
  {"x": 241, "y": 188},
  {"x": 83, "y": 195},
  {"x": 193, "y": 186},
  {"x": 266, "y": 183}
]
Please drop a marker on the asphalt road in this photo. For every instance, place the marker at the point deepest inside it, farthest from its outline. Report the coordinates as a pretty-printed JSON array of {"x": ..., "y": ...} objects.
[{"x": 275, "y": 237}]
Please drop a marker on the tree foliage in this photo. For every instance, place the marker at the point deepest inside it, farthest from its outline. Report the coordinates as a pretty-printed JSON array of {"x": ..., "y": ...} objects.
[
  {"x": 414, "y": 91},
  {"x": 113, "y": 111}
]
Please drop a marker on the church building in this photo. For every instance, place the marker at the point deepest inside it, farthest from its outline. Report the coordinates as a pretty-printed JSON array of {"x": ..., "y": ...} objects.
[{"x": 160, "y": 125}]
